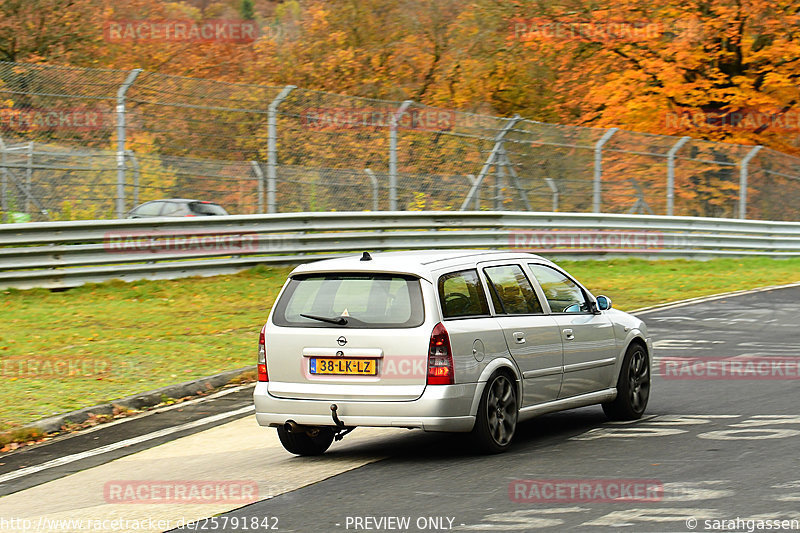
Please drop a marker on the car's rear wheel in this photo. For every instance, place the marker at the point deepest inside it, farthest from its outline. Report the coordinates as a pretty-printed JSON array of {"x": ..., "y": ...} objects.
[
  {"x": 496, "y": 420},
  {"x": 633, "y": 386},
  {"x": 304, "y": 443}
]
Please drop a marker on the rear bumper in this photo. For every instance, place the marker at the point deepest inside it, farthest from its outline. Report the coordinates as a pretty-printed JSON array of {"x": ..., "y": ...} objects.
[{"x": 440, "y": 408}]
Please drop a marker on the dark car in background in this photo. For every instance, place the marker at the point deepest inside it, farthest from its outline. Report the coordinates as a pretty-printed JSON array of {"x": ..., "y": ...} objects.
[{"x": 177, "y": 207}]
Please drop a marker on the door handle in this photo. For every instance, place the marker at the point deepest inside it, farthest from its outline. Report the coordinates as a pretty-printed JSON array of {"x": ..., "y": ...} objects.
[
  {"x": 519, "y": 337},
  {"x": 568, "y": 334}
]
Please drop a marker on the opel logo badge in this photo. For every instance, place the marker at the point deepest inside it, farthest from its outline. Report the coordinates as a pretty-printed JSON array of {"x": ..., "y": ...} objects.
[{"x": 341, "y": 341}]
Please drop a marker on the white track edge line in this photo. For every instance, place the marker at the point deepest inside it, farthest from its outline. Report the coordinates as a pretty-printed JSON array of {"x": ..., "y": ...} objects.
[
  {"x": 121, "y": 444},
  {"x": 711, "y": 298}
]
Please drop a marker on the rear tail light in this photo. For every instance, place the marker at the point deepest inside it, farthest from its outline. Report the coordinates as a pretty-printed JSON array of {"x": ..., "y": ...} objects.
[
  {"x": 262, "y": 356},
  {"x": 440, "y": 357}
]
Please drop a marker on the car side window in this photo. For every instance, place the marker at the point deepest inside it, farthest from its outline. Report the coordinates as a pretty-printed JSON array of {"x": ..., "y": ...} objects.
[
  {"x": 173, "y": 209},
  {"x": 512, "y": 290},
  {"x": 462, "y": 295},
  {"x": 150, "y": 209},
  {"x": 563, "y": 294}
]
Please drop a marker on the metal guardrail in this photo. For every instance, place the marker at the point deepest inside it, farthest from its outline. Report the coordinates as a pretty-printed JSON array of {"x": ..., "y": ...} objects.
[{"x": 68, "y": 254}]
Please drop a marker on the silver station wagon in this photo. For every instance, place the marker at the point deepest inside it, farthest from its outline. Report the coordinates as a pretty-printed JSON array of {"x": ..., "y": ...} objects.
[{"x": 459, "y": 341}]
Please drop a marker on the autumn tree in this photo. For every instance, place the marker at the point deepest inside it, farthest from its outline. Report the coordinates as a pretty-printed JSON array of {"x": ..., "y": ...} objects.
[
  {"x": 58, "y": 31},
  {"x": 645, "y": 64}
]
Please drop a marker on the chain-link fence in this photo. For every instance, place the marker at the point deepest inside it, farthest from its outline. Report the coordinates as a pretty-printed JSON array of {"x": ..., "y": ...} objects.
[{"x": 91, "y": 143}]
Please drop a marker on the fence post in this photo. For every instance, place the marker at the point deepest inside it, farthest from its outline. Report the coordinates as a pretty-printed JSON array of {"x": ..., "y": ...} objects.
[
  {"x": 671, "y": 173},
  {"x": 135, "y": 163},
  {"x": 598, "y": 169},
  {"x": 123, "y": 89},
  {"x": 375, "y": 186},
  {"x": 492, "y": 159},
  {"x": 743, "y": 180},
  {"x": 395, "y": 119},
  {"x": 499, "y": 181},
  {"x": 554, "y": 189},
  {"x": 29, "y": 177},
  {"x": 512, "y": 173},
  {"x": 259, "y": 184},
  {"x": 3, "y": 181},
  {"x": 272, "y": 149},
  {"x": 472, "y": 179}
]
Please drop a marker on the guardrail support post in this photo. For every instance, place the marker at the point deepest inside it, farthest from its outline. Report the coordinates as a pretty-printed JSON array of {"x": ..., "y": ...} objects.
[
  {"x": 395, "y": 120},
  {"x": 598, "y": 169},
  {"x": 375, "y": 186},
  {"x": 121, "y": 92},
  {"x": 671, "y": 174},
  {"x": 272, "y": 148},
  {"x": 743, "y": 180},
  {"x": 492, "y": 159}
]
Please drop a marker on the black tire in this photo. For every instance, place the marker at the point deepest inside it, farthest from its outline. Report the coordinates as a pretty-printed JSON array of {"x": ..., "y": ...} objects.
[
  {"x": 304, "y": 444},
  {"x": 496, "y": 420},
  {"x": 633, "y": 386}
]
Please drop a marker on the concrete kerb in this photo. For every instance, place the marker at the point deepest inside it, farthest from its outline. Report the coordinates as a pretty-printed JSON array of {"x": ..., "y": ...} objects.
[{"x": 139, "y": 401}]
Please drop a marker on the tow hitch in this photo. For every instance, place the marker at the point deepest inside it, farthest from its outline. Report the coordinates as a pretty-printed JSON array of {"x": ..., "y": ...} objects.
[{"x": 341, "y": 430}]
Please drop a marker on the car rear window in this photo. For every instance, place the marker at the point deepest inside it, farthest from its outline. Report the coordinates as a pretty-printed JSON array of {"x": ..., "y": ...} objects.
[
  {"x": 203, "y": 208},
  {"x": 355, "y": 300}
]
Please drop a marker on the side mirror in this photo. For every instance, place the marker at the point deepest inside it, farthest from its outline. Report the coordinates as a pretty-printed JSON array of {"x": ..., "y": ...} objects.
[{"x": 603, "y": 303}]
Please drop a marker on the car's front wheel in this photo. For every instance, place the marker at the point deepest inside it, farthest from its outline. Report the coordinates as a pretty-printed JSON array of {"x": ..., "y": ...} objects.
[
  {"x": 496, "y": 420},
  {"x": 633, "y": 386},
  {"x": 304, "y": 443}
]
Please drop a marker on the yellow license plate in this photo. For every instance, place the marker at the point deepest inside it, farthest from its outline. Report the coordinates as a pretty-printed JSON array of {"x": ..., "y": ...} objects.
[{"x": 344, "y": 366}]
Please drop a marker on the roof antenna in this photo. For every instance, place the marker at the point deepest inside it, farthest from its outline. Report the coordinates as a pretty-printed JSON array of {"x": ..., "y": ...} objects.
[{"x": 366, "y": 257}]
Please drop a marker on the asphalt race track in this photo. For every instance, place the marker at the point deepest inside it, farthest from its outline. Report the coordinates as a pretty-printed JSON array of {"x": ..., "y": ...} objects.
[{"x": 710, "y": 450}]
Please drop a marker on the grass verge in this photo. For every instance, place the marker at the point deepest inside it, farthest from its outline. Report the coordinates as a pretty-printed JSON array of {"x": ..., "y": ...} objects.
[{"x": 123, "y": 338}]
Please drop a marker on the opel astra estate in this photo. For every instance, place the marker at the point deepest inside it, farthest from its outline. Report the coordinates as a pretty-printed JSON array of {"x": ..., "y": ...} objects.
[{"x": 456, "y": 341}]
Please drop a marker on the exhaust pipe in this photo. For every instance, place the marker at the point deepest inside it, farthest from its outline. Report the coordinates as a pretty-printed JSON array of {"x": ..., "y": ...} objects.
[{"x": 293, "y": 427}]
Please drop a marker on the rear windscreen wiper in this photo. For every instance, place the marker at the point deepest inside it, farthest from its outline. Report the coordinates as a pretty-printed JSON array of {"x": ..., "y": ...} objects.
[{"x": 340, "y": 320}]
